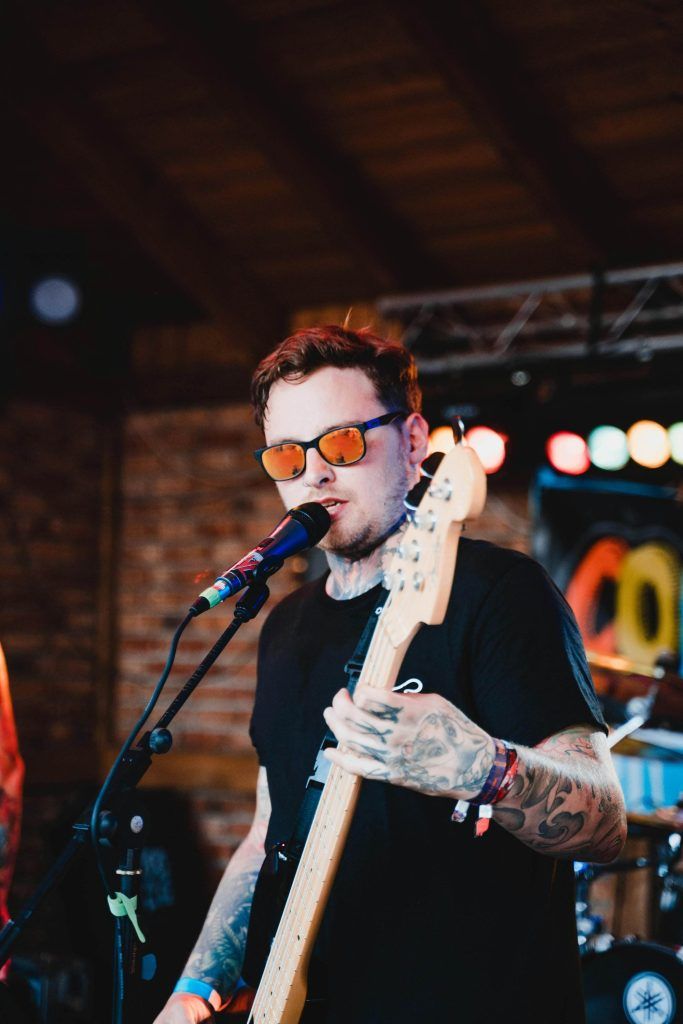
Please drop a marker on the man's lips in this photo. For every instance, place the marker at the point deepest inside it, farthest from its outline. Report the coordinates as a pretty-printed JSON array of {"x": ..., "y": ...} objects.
[{"x": 333, "y": 505}]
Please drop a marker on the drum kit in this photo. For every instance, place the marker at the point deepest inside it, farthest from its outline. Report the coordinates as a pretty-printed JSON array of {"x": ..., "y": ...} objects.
[{"x": 638, "y": 978}]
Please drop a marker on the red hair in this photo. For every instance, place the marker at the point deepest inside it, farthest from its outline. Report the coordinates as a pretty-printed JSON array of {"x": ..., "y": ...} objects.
[{"x": 389, "y": 365}]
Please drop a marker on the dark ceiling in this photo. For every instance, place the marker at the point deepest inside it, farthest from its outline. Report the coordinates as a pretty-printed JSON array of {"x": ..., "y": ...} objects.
[{"x": 240, "y": 160}]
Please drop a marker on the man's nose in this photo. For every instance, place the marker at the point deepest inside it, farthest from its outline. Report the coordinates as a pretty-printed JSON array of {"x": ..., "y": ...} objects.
[{"x": 317, "y": 471}]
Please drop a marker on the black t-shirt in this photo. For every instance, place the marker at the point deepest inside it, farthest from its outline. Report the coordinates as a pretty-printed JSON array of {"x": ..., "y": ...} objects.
[{"x": 424, "y": 920}]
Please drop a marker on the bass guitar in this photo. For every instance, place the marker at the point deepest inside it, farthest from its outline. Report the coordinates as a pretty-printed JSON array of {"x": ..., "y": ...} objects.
[{"x": 419, "y": 582}]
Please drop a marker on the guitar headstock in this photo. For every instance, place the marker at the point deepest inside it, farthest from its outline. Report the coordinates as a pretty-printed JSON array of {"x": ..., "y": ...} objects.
[{"x": 420, "y": 574}]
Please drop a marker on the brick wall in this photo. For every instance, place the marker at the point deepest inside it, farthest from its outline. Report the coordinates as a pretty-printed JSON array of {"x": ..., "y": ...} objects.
[
  {"x": 50, "y": 482},
  {"x": 193, "y": 501}
]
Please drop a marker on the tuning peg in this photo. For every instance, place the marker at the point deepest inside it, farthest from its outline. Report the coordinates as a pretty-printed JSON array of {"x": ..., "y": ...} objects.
[{"x": 427, "y": 471}]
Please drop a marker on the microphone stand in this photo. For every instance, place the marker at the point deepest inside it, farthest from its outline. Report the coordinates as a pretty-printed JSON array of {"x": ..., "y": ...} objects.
[{"x": 123, "y": 822}]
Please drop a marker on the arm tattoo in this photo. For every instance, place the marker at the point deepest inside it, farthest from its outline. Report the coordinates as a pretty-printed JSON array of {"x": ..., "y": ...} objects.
[
  {"x": 563, "y": 802},
  {"x": 219, "y": 952}
]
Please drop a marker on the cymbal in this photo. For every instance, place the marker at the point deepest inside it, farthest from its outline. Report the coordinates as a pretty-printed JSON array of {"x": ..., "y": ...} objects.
[{"x": 623, "y": 666}]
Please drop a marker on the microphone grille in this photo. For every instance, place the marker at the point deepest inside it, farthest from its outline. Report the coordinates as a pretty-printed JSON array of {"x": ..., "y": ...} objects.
[{"x": 314, "y": 518}]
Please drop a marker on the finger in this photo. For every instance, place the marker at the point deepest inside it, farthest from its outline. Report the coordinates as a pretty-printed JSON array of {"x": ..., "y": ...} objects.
[
  {"x": 363, "y": 723},
  {"x": 362, "y": 739},
  {"x": 355, "y": 764},
  {"x": 388, "y": 707}
]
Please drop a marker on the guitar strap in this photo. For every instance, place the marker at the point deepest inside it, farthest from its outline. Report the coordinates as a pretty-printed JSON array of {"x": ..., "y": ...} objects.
[{"x": 316, "y": 781}]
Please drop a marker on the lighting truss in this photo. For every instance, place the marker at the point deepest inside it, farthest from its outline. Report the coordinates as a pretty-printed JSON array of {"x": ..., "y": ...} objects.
[{"x": 632, "y": 313}]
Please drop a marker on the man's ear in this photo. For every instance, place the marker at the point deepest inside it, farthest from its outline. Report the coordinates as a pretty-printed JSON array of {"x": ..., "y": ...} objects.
[{"x": 417, "y": 432}]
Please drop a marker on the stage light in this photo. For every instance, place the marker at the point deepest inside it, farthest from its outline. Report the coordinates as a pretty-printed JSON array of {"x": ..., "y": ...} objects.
[
  {"x": 648, "y": 443},
  {"x": 608, "y": 448},
  {"x": 567, "y": 453},
  {"x": 55, "y": 300},
  {"x": 441, "y": 439},
  {"x": 489, "y": 446},
  {"x": 676, "y": 442}
]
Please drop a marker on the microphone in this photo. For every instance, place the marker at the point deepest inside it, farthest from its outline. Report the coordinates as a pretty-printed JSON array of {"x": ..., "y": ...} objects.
[{"x": 300, "y": 528}]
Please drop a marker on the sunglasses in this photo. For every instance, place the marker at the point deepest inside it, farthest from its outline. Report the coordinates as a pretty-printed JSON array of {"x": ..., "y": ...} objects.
[{"x": 341, "y": 446}]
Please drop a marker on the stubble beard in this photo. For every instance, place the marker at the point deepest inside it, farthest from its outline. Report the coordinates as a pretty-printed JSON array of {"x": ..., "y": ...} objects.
[{"x": 371, "y": 536}]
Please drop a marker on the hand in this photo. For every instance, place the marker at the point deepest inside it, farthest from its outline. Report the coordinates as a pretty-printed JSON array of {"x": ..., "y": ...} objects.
[
  {"x": 184, "y": 1008},
  {"x": 420, "y": 741}
]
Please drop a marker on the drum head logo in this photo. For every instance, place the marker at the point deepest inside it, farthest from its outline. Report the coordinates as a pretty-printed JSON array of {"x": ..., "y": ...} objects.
[{"x": 649, "y": 999}]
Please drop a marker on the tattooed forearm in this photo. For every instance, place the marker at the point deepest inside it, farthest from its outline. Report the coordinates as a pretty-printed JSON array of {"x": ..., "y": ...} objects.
[
  {"x": 217, "y": 957},
  {"x": 565, "y": 800},
  {"x": 218, "y": 954}
]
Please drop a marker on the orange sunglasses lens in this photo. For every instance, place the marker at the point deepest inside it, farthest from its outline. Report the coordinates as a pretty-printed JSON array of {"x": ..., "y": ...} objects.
[
  {"x": 343, "y": 446},
  {"x": 284, "y": 461}
]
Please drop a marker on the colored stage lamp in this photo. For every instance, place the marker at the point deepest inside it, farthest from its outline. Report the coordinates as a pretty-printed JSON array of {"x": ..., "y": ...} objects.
[
  {"x": 441, "y": 439},
  {"x": 489, "y": 446},
  {"x": 608, "y": 448},
  {"x": 676, "y": 442},
  {"x": 648, "y": 443},
  {"x": 568, "y": 453}
]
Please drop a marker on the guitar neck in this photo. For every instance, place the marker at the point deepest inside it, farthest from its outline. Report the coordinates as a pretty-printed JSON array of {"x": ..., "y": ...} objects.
[{"x": 282, "y": 992}]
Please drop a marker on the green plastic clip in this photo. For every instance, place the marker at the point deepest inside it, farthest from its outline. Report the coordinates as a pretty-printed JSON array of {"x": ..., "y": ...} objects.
[{"x": 126, "y": 906}]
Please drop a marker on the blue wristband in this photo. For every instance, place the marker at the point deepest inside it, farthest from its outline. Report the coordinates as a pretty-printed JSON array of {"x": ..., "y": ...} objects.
[{"x": 201, "y": 989}]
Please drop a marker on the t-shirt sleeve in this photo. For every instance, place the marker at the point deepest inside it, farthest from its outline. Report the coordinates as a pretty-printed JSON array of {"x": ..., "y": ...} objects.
[{"x": 530, "y": 676}]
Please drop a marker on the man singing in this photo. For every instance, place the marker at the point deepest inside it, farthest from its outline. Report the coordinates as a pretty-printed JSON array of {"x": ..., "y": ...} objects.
[{"x": 425, "y": 921}]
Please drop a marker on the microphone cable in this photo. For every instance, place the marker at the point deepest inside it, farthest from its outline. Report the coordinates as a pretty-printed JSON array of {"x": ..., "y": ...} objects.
[{"x": 151, "y": 703}]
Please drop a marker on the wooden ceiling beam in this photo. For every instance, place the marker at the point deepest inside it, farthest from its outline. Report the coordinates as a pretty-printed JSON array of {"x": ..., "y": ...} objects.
[
  {"x": 225, "y": 54},
  {"x": 483, "y": 73},
  {"x": 46, "y": 97}
]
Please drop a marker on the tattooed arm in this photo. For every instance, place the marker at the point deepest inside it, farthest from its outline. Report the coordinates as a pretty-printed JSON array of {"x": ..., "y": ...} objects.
[
  {"x": 219, "y": 951},
  {"x": 565, "y": 801}
]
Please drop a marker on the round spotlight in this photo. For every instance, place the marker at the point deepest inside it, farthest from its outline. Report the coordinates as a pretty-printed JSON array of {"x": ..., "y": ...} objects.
[
  {"x": 676, "y": 442},
  {"x": 55, "y": 300},
  {"x": 648, "y": 443},
  {"x": 441, "y": 440},
  {"x": 608, "y": 448},
  {"x": 489, "y": 446},
  {"x": 568, "y": 453}
]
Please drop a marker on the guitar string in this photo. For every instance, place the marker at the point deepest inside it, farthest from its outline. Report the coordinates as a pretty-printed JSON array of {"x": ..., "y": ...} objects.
[
  {"x": 297, "y": 907},
  {"x": 310, "y": 863},
  {"x": 273, "y": 986},
  {"x": 276, "y": 988},
  {"x": 381, "y": 651},
  {"x": 340, "y": 787}
]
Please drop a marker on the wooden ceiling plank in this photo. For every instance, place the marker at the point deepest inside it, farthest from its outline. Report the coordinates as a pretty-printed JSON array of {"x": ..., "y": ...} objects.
[
  {"x": 226, "y": 55},
  {"x": 47, "y": 99},
  {"x": 481, "y": 69}
]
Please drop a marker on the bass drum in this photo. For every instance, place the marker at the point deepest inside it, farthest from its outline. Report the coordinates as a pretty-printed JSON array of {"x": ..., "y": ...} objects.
[{"x": 633, "y": 983}]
